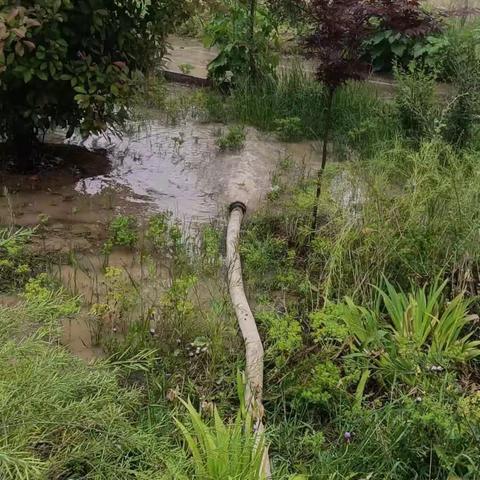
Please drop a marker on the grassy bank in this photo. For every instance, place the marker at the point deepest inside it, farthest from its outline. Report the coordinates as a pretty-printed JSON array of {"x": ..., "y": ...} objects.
[{"x": 64, "y": 419}]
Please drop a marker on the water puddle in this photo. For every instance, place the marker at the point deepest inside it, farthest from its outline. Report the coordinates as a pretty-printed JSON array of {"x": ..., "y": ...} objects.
[
  {"x": 180, "y": 168},
  {"x": 154, "y": 167}
]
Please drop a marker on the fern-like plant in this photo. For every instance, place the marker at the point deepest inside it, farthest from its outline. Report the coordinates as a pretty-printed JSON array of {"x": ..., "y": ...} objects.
[{"x": 220, "y": 450}]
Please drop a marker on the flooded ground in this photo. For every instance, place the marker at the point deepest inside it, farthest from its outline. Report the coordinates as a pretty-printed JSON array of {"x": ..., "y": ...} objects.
[
  {"x": 191, "y": 54},
  {"x": 155, "y": 166}
]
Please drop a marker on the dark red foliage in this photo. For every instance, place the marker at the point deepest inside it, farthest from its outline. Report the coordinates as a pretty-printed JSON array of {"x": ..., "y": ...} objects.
[
  {"x": 340, "y": 28},
  {"x": 403, "y": 16}
]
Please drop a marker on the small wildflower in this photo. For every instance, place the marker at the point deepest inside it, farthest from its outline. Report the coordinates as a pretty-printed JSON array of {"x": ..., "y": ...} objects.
[{"x": 347, "y": 436}]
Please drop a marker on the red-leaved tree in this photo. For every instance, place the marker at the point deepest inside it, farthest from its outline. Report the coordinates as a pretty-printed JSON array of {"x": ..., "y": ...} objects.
[{"x": 339, "y": 31}]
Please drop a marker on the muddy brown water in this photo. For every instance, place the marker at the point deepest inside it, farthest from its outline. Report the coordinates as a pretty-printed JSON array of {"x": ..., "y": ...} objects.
[{"x": 155, "y": 166}]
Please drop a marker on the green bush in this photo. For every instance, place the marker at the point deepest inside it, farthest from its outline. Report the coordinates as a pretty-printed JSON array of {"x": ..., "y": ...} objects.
[
  {"x": 233, "y": 139},
  {"x": 69, "y": 64},
  {"x": 386, "y": 48},
  {"x": 124, "y": 231},
  {"x": 240, "y": 56}
]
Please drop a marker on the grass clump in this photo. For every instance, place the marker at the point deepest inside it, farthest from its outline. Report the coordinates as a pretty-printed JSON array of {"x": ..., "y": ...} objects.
[
  {"x": 62, "y": 418},
  {"x": 16, "y": 264},
  {"x": 233, "y": 139}
]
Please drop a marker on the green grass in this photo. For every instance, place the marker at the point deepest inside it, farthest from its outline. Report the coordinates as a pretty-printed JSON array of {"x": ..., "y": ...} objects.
[
  {"x": 63, "y": 419},
  {"x": 388, "y": 368},
  {"x": 292, "y": 107}
]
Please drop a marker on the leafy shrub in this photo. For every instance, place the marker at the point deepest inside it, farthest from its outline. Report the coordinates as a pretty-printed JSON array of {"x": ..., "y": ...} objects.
[
  {"x": 260, "y": 253},
  {"x": 284, "y": 335},
  {"x": 124, "y": 231},
  {"x": 70, "y": 67},
  {"x": 234, "y": 139},
  {"x": 346, "y": 322},
  {"x": 462, "y": 112},
  {"x": 388, "y": 48},
  {"x": 157, "y": 230},
  {"x": 323, "y": 384},
  {"x": 186, "y": 68},
  {"x": 241, "y": 56}
]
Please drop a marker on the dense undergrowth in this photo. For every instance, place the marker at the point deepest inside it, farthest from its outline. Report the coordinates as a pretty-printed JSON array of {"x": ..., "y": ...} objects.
[
  {"x": 371, "y": 323},
  {"x": 165, "y": 335},
  {"x": 372, "y": 379}
]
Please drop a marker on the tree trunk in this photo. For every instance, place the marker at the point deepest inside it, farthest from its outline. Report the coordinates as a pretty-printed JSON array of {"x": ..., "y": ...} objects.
[
  {"x": 22, "y": 144},
  {"x": 248, "y": 327},
  {"x": 326, "y": 139}
]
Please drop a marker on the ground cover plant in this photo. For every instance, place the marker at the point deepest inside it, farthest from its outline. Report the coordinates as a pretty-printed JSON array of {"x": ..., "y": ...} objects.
[{"x": 365, "y": 328}]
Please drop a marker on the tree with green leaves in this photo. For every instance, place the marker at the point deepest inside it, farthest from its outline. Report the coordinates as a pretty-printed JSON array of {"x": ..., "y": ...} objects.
[{"x": 74, "y": 64}]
